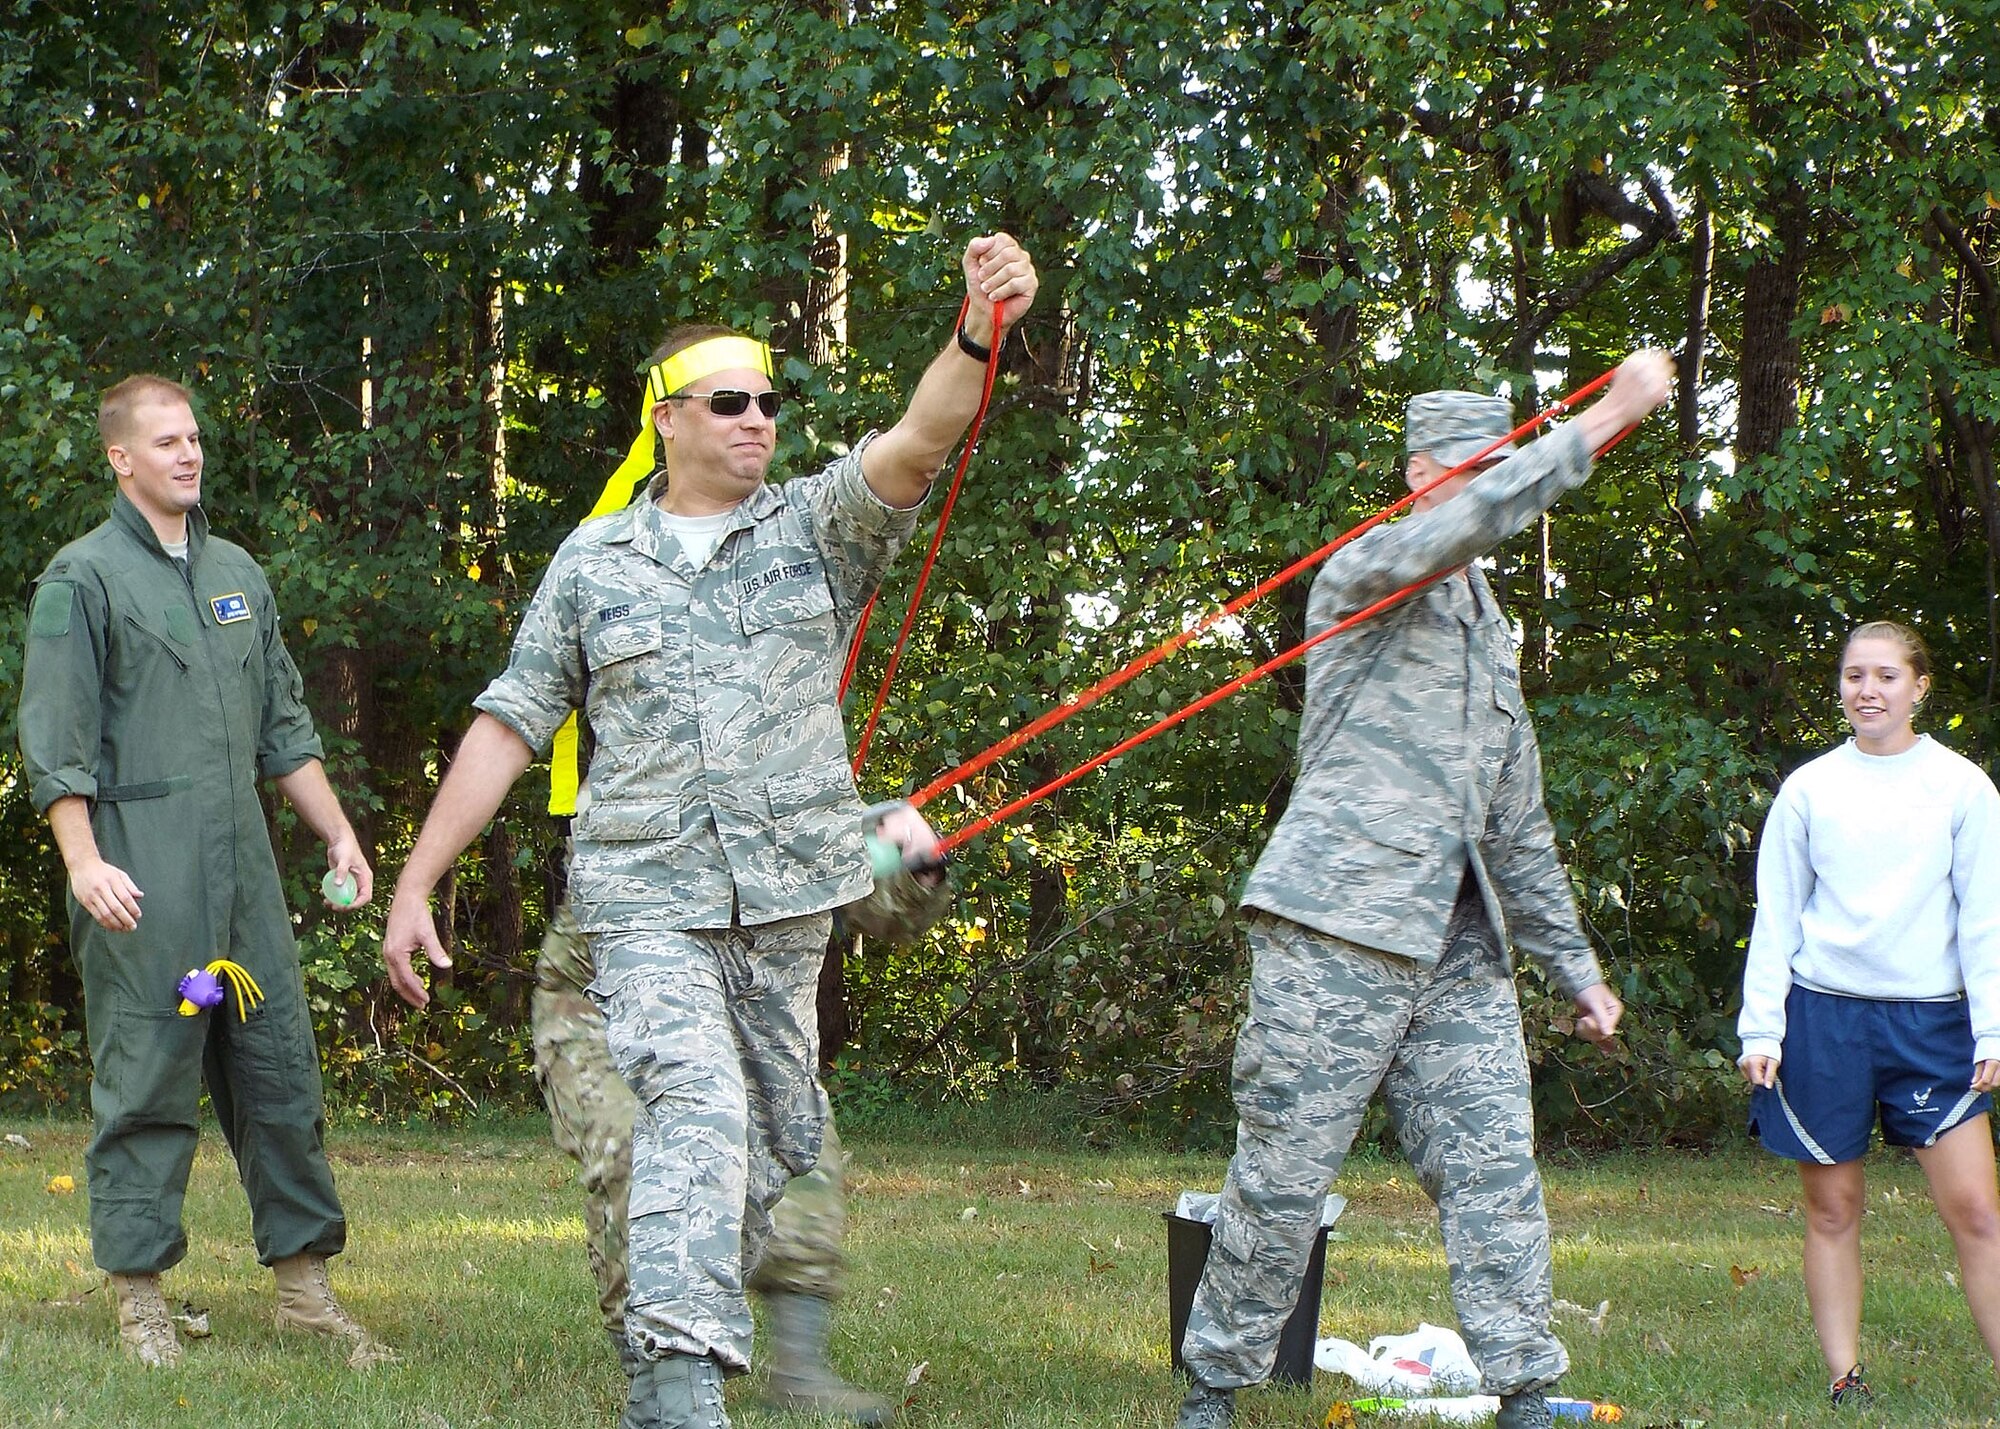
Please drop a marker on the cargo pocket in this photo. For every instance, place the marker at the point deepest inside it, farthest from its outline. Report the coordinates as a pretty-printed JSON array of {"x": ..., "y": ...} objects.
[
  {"x": 146, "y": 1067},
  {"x": 814, "y": 817},
  {"x": 1272, "y": 1068}
]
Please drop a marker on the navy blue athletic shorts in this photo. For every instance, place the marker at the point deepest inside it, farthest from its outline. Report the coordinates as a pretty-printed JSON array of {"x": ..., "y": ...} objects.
[{"x": 1849, "y": 1059}]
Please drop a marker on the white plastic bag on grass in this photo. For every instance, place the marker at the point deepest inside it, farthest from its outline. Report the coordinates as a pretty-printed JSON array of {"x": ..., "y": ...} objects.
[
  {"x": 1201, "y": 1206},
  {"x": 1429, "y": 1360}
]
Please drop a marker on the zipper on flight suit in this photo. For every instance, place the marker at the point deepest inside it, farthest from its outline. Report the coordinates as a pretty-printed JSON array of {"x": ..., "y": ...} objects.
[{"x": 209, "y": 634}]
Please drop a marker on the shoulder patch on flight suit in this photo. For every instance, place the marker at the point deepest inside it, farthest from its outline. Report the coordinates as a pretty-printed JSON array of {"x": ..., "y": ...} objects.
[
  {"x": 49, "y": 616},
  {"x": 230, "y": 608}
]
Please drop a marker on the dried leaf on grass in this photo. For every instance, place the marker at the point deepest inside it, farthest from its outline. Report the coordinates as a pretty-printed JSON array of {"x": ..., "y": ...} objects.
[
  {"x": 1593, "y": 1319},
  {"x": 911, "y": 1380}
]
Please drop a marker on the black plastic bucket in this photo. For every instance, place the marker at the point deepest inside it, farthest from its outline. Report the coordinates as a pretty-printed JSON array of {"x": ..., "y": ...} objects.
[{"x": 1187, "y": 1254}]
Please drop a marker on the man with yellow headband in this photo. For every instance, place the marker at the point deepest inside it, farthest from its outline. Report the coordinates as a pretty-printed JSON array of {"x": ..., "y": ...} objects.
[{"x": 701, "y": 634}]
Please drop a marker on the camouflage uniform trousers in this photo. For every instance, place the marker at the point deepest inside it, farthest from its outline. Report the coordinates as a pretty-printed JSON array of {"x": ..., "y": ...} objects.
[
  {"x": 1329, "y": 1022},
  {"x": 716, "y": 1033},
  {"x": 591, "y": 1112}
]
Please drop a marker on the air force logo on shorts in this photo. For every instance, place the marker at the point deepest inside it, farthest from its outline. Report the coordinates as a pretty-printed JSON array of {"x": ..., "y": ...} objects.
[{"x": 230, "y": 608}]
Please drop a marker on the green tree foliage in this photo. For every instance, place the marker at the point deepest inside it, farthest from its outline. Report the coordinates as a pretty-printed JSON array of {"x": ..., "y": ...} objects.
[{"x": 412, "y": 256}]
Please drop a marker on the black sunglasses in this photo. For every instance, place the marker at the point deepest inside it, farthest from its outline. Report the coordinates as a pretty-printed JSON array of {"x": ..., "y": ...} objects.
[{"x": 734, "y": 401}]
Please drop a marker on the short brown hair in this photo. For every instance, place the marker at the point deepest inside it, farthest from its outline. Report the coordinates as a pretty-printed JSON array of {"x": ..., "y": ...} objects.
[
  {"x": 116, "y": 406},
  {"x": 1914, "y": 649}
]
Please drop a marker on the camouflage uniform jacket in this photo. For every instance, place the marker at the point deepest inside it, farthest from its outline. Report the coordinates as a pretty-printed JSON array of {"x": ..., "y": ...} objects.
[
  {"x": 719, "y": 785},
  {"x": 1416, "y": 757}
]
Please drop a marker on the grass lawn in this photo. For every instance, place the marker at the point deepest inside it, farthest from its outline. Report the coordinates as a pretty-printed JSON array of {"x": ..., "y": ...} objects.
[{"x": 1028, "y": 1282}]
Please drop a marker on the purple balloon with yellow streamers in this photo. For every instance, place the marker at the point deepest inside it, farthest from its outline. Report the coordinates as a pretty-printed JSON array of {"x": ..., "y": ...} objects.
[
  {"x": 199, "y": 989},
  {"x": 202, "y": 988}
]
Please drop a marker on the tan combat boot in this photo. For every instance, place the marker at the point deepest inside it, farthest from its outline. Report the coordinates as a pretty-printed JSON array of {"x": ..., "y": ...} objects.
[
  {"x": 144, "y": 1327},
  {"x": 305, "y": 1302},
  {"x": 802, "y": 1382}
]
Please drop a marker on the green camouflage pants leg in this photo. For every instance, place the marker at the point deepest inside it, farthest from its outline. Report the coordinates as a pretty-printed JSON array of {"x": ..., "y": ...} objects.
[
  {"x": 716, "y": 1034},
  {"x": 1329, "y": 1022},
  {"x": 590, "y": 1115}
]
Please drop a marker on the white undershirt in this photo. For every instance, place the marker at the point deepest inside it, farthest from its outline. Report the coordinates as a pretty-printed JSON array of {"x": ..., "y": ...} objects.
[{"x": 698, "y": 535}]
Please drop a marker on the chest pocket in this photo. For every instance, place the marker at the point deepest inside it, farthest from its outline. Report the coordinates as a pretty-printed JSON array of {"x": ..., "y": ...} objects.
[
  {"x": 153, "y": 638},
  {"x": 615, "y": 634},
  {"x": 790, "y": 590},
  {"x": 239, "y": 637}
]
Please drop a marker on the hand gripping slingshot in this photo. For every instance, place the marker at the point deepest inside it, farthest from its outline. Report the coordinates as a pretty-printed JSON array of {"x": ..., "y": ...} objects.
[
  {"x": 201, "y": 988},
  {"x": 911, "y": 893}
]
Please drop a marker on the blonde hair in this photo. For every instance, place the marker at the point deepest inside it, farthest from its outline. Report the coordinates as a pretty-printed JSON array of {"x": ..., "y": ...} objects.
[
  {"x": 116, "y": 406},
  {"x": 1914, "y": 650}
]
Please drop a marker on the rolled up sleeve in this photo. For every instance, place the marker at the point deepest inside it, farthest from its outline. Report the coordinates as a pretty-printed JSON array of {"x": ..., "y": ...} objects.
[
  {"x": 544, "y": 680},
  {"x": 286, "y": 740},
  {"x": 60, "y": 723}
]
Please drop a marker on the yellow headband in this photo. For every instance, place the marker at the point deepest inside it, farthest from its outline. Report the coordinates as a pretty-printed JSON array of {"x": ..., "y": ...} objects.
[{"x": 705, "y": 359}]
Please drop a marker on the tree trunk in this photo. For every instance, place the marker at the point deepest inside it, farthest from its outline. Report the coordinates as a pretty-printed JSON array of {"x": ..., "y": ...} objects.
[{"x": 1768, "y": 384}]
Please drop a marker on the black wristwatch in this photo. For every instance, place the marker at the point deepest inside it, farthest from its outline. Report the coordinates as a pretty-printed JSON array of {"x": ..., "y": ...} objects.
[{"x": 972, "y": 349}]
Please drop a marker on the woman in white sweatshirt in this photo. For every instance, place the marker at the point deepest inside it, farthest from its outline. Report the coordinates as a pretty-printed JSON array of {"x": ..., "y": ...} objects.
[{"x": 1872, "y": 986}]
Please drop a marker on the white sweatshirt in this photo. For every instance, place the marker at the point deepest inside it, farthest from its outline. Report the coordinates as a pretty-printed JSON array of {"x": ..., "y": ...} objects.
[{"x": 1878, "y": 876}]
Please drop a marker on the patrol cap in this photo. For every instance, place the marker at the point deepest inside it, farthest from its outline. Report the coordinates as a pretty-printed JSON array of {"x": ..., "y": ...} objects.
[{"x": 1457, "y": 426}]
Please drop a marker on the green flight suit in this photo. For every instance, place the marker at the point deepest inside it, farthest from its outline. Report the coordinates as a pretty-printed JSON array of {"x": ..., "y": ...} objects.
[{"x": 161, "y": 693}]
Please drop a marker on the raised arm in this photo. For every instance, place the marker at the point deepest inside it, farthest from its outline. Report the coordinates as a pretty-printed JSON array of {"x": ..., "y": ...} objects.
[
  {"x": 1498, "y": 502},
  {"x": 900, "y": 465}
]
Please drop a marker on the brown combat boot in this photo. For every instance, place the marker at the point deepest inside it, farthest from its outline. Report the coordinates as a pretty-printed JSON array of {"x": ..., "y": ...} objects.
[
  {"x": 144, "y": 1327},
  {"x": 305, "y": 1302},
  {"x": 802, "y": 1382}
]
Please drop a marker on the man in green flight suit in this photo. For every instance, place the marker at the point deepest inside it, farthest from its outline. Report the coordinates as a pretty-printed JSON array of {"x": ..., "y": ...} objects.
[{"x": 155, "y": 692}]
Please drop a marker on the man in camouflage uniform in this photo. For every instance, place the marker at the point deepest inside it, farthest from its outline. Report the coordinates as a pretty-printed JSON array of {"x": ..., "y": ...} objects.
[
  {"x": 701, "y": 635},
  {"x": 1414, "y": 849}
]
